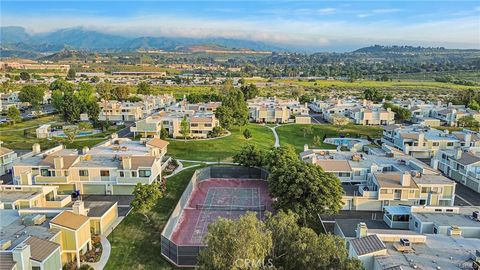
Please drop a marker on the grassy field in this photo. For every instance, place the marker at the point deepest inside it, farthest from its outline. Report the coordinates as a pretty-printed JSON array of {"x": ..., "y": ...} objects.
[
  {"x": 293, "y": 134},
  {"x": 221, "y": 149},
  {"x": 136, "y": 242}
]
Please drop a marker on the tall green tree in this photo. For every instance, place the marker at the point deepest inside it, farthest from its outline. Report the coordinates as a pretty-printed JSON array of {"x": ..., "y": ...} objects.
[
  {"x": 70, "y": 107},
  {"x": 145, "y": 197},
  {"x": 296, "y": 247},
  {"x": 144, "y": 88},
  {"x": 305, "y": 189},
  {"x": 104, "y": 90},
  {"x": 250, "y": 91},
  {"x": 32, "y": 94},
  {"x": 71, "y": 74},
  {"x": 234, "y": 110},
  {"x": 185, "y": 128},
  {"x": 121, "y": 92},
  {"x": 13, "y": 114},
  {"x": 250, "y": 156},
  {"x": 235, "y": 244},
  {"x": 25, "y": 76}
]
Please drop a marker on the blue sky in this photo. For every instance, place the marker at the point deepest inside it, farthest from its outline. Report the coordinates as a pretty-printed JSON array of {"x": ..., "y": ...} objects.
[{"x": 327, "y": 25}]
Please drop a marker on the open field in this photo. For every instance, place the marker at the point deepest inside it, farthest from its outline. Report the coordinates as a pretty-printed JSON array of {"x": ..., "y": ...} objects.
[
  {"x": 221, "y": 149},
  {"x": 293, "y": 134},
  {"x": 136, "y": 241}
]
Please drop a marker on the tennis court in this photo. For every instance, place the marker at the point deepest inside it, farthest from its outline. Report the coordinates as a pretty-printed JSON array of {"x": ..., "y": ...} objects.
[{"x": 216, "y": 198}]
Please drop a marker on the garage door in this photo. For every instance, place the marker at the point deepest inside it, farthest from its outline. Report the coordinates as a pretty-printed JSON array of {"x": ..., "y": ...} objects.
[
  {"x": 123, "y": 190},
  {"x": 66, "y": 189},
  {"x": 94, "y": 189}
]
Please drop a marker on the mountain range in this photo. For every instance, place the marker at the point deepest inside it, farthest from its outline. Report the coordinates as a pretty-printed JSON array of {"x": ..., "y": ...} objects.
[{"x": 15, "y": 41}]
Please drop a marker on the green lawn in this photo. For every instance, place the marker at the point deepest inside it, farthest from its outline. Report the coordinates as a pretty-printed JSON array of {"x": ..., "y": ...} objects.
[
  {"x": 293, "y": 135},
  {"x": 136, "y": 242},
  {"x": 221, "y": 149}
]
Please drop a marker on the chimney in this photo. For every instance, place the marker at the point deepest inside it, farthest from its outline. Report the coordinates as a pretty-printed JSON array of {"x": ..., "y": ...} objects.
[
  {"x": 468, "y": 138},
  {"x": 364, "y": 102},
  {"x": 26, "y": 178},
  {"x": 305, "y": 147},
  {"x": 126, "y": 163},
  {"x": 21, "y": 255},
  {"x": 114, "y": 136},
  {"x": 458, "y": 153},
  {"x": 36, "y": 148},
  {"x": 58, "y": 162},
  {"x": 85, "y": 150},
  {"x": 406, "y": 179},
  {"x": 78, "y": 208},
  {"x": 361, "y": 230}
]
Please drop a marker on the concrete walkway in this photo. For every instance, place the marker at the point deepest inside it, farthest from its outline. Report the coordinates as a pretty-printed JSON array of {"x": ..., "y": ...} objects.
[
  {"x": 106, "y": 250},
  {"x": 277, "y": 140}
]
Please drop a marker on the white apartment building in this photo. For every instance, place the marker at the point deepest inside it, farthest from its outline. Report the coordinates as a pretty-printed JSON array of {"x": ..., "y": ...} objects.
[
  {"x": 114, "y": 167},
  {"x": 275, "y": 110},
  {"x": 7, "y": 157}
]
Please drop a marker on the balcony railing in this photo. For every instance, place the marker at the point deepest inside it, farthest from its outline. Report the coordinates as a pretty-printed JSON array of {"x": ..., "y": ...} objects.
[
  {"x": 133, "y": 180},
  {"x": 51, "y": 179}
]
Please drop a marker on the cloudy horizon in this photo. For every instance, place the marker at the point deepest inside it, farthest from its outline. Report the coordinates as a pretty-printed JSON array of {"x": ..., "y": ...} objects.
[{"x": 310, "y": 25}]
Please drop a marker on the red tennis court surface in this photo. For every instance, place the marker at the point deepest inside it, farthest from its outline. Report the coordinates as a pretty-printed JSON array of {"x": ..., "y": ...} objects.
[{"x": 215, "y": 198}]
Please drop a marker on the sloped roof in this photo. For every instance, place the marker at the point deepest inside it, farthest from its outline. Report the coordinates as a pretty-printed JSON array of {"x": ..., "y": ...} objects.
[
  {"x": 158, "y": 143},
  {"x": 40, "y": 248},
  {"x": 142, "y": 161},
  {"x": 334, "y": 165},
  {"x": 6, "y": 261},
  {"x": 70, "y": 220},
  {"x": 4, "y": 151},
  {"x": 68, "y": 161},
  {"x": 468, "y": 158},
  {"x": 367, "y": 244}
]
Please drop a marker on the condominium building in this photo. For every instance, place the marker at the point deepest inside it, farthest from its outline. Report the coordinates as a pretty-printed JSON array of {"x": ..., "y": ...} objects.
[
  {"x": 113, "y": 167},
  {"x": 7, "y": 157},
  {"x": 275, "y": 110},
  {"x": 424, "y": 142},
  {"x": 359, "y": 112},
  {"x": 200, "y": 117},
  {"x": 383, "y": 178},
  {"x": 461, "y": 166}
]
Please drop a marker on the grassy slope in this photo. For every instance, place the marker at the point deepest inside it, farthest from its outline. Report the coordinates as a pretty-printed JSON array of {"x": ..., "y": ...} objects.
[
  {"x": 221, "y": 149},
  {"x": 136, "y": 243},
  {"x": 293, "y": 135}
]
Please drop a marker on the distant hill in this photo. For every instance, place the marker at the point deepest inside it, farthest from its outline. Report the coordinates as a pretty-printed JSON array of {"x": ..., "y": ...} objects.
[
  {"x": 15, "y": 40},
  {"x": 403, "y": 49}
]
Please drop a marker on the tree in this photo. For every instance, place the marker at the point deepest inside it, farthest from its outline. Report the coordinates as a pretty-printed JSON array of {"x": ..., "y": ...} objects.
[
  {"x": 71, "y": 74},
  {"x": 340, "y": 121},
  {"x": 93, "y": 111},
  {"x": 13, "y": 114},
  {"x": 473, "y": 104},
  {"x": 296, "y": 247},
  {"x": 250, "y": 91},
  {"x": 185, "y": 128},
  {"x": 247, "y": 134},
  {"x": 281, "y": 156},
  {"x": 143, "y": 88},
  {"x": 317, "y": 141},
  {"x": 305, "y": 189},
  {"x": 306, "y": 130},
  {"x": 163, "y": 133},
  {"x": 84, "y": 96},
  {"x": 372, "y": 94},
  {"x": 104, "y": 90},
  {"x": 121, "y": 92},
  {"x": 227, "y": 86},
  {"x": 468, "y": 121},
  {"x": 70, "y": 107},
  {"x": 145, "y": 197},
  {"x": 250, "y": 156},
  {"x": 25, "y": 76},
  {"x": 401, "y": 114},
  {"x": 32, "y": 94},
  {"x": 70, "y": 133},
  {"x": 234, "y": 110},
  {"x": 226, "y": 250}
]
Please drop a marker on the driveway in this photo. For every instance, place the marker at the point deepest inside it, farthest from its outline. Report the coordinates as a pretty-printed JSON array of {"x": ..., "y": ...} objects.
[
  {"x": 317, "y": 118},
  {"x": 466, "y": 196}
]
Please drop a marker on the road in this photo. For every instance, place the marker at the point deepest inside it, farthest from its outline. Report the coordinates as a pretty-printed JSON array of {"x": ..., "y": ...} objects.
[
  {"x": 466, "y": 196},
  {"x": 125, "y": 132},
  {"x": 316, "y": 118}
]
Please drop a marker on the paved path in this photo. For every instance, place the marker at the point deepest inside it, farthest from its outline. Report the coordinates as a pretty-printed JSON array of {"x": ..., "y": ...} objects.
[
  {"x": 277, "y": 140},
  {"x": 106, "y": 250}
]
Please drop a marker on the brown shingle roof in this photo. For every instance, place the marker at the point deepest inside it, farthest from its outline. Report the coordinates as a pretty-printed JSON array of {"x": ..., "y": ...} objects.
[
  {"x": 70, "y": 220},
  {"x": 158, "y": 143},
  {"x": 68, "y": 161},
  {"x": 6, "y": 261},
  {"x": 40, "y": 248},
  {"x": 392, "y": 180},
  {"x": 334, "y": 165},
  {"x": 142, "y": 161},
  {"x": 4, "y": 151},
  {"x": 413, "y": 136}
]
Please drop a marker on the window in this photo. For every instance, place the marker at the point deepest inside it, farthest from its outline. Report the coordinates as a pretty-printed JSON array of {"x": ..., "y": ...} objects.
[
  {"x": 104, "y": 173},
  {"x": 449, "y": 143},
  {"x": 145, "y": 173},
  {"x": 122, "y": 174},
  {"x": 435, "y": 230},
  {"x": 83, "y": 172},
  {"x": 416, "y": 224},
  {"x": 134, "y": 174},
  {"x": 449, "y": 210},
  {"x": 45, "y": 172},
  {"x": 435, "y": 144}
]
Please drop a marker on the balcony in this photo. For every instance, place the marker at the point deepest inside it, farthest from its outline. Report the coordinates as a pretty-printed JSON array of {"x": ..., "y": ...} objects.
[
  {"x": 370, "y": 193},
  {"x": 134, "y": 180},
  {"x": 51, "y": 179},
  {"x": 59, "y": 202}
]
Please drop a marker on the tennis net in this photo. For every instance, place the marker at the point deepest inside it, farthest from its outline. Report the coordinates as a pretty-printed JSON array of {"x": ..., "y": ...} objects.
[{"x": 212, "y": 207}]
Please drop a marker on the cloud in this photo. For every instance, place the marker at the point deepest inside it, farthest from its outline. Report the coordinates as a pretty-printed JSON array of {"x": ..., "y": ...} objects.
[
  {"x": 378, "y": 11},
  {"x": 327, "y": 11},
  {"x": 311, "y": 33}
]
